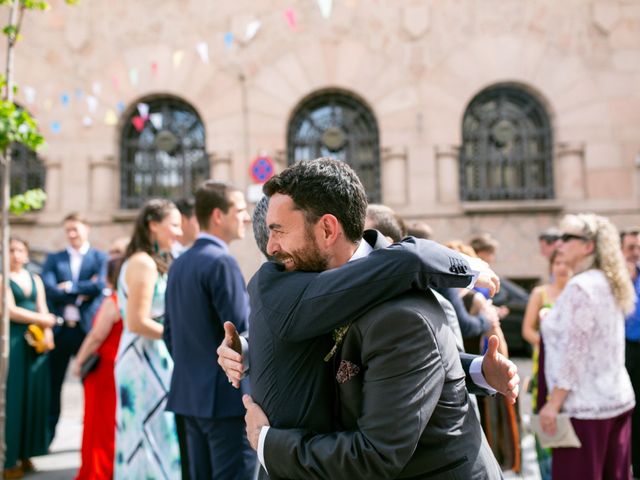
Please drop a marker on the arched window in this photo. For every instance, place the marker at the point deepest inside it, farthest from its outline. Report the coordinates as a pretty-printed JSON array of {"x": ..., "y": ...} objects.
[
  {"x": 335, "y": 124},
  {"x": 27, "y": 170},
  {"x": 163, "y": 153},
  {"x": 506, "y": 149}
]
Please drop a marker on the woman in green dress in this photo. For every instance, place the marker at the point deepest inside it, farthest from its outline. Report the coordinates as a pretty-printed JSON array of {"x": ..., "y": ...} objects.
[
  {"x": 28, "y": 389},
  {"x": 146, "y": 438}
]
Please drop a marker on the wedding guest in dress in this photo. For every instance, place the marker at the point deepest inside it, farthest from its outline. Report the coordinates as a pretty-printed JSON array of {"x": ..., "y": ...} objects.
[
  {"x": 98, "y": 435},
  {"x": 146, "y": 439},
  {"x": 541, "y": 301},
  {"x": 584, "y": 354},
  {"x": 28, "y": 381}
]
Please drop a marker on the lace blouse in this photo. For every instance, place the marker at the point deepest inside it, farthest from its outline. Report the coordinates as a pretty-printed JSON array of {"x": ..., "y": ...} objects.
[{"x": 584, "y": 349}]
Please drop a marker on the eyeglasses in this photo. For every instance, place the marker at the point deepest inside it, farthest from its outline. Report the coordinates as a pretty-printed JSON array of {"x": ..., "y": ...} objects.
[{"x": 566, "y": 237}]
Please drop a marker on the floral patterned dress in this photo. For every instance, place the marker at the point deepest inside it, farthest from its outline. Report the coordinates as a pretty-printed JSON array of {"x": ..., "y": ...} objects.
[{"x": 146, "y": 439}]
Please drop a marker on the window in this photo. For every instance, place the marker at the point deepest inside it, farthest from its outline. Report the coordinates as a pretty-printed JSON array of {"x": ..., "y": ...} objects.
[
  {"x": 336, "y": 124},
  {"x": 506, "y": 149},
  {"x": 27, "y": 170},
  {"x": 162, "y": 154}
]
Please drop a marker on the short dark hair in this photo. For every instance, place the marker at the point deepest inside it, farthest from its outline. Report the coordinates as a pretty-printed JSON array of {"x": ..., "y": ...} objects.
[
  {"x": 483, "y": 243},
  {"x": 324, "y": 186},
  {"x": 419, "y": 229},
  {"x": 628, "y": 231},
  {"x": 186, "y": 206},
  {"x": 75, "y": 217},
  {"x": 385, "y": 220},
  {"x": 209, "y": 196}
]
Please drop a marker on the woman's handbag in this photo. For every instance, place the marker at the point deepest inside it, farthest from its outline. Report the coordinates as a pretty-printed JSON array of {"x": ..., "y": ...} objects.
[
  {"x": 35, "y": 337},
  {"x": 89, "y": 365}
]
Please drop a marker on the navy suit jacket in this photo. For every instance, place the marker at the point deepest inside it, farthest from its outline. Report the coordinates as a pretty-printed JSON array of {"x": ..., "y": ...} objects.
[
  {"x": 90, "y": 284},
  {"x": 205, "y": 289}
]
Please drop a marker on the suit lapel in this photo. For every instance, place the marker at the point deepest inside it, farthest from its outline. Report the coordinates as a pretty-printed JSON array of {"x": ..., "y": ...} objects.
[{"x": 65, "y": 267}]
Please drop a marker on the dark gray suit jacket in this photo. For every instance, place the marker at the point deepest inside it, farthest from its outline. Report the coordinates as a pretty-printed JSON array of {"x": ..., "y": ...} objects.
[{"x": 403, "y": 405}]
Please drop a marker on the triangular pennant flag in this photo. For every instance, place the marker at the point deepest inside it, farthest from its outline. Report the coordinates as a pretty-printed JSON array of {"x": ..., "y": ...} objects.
[
  {"x": 110, "y": 118},
  {"x": 177, "y": 58},
  {"x": 87, "y": 121},
  {"x": 156, "y": 120},
  {"x": 133, "y": 76},
  {"x": 325, "y": 7},
  {"x": 55, "y": 127},
  {"x": 252, "y": 29},
  {"x": 92, "y": 103},
  {"x": 29, "y": 94},
  {"x": 154, "y": 67},
  {"x": 65, "y": 99},
  {"x": 120, "y": 107},
  {"x": 138, "y": 122},
  {"x": 203, "y": 51},
  {"x": 48, "y": 104},
  {"x": 290, "y": 17},
  {"x": 143, "y": 109},
  {"x": 228, "y": 40}
]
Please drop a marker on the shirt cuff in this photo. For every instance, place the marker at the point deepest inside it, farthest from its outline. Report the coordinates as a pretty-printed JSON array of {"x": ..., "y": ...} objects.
[
  {"x": 245, "y": 355},
  {"x": 261, "y": 440},
  {"x": 475, "y": 370},
  {"x": 474, "y": 278}
]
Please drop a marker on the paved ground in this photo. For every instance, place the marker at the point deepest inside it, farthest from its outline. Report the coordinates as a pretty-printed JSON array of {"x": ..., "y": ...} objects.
[{"x": 64, "y": 459}]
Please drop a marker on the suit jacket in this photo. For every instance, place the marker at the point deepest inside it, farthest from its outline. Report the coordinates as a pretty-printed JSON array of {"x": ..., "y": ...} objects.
[
  {"x": 403, "y": 405},
  {"x": 293, "y": 314},
  {"x": 205, "y": 288},
  {"x": 91, "y": 282}
]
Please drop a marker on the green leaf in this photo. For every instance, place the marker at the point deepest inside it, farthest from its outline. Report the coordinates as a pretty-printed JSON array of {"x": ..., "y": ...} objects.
[{"x": 27, "y": 201}]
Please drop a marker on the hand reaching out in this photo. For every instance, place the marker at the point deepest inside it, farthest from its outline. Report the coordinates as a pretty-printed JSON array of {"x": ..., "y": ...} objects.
[
  {"x": 230, "y": 355},
  {"x": 500, "y": 372}
]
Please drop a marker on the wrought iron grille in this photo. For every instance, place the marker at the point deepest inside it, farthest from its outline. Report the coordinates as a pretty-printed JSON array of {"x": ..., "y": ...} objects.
[
  {"x": 335, "y": 124},
  {"x": 506, "y": 149},
  {"x": 166, "y": 157},
  {"x": 27, "y": 170}
]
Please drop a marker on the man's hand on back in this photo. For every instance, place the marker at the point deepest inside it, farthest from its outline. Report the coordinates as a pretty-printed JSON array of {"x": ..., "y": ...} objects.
[
  {"x": 255, "y": 420},
  {"x": 230, "y": 355},
  {"x": 500, "y": 372},
  {"x": 487, "y": 277}
]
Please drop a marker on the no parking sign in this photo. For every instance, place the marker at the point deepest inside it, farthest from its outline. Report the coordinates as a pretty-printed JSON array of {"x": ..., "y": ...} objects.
[{"x": 261, "y": 169}]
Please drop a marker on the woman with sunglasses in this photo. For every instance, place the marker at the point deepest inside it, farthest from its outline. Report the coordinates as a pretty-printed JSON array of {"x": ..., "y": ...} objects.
[{"x": 584, "y": 354}]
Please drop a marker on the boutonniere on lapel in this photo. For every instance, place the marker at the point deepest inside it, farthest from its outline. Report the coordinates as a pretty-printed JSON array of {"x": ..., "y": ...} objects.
[
  {"x": 347, "y": 371},
  {"x": 338, "y": 337}
]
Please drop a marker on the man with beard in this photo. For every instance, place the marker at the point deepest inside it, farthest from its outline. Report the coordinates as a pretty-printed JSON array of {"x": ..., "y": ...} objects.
[{"x": 410, "y": 394}]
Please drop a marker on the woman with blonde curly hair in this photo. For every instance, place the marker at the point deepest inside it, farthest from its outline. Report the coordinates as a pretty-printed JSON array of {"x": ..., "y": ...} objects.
[{"x": 584, "y": 346}]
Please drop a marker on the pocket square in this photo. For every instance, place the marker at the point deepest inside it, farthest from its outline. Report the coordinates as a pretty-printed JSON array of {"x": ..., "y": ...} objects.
[{"x": 346, "y": 371}]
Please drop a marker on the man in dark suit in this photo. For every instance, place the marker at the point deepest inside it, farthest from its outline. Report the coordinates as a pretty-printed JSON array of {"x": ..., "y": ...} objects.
[
  {"x": 280, "y": 371},
  {"x": 74, "y": 279},
  {"x": 205, "y": 288}
]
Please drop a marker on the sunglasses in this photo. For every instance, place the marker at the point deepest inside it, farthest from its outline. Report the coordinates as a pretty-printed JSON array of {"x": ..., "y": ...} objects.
[{"x": 566, "y": 237}]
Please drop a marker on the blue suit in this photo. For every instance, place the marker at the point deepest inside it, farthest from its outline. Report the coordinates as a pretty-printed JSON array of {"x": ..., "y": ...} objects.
[
  {"x": 205, "y": 289},
  {"x": 86, "y": 294}
]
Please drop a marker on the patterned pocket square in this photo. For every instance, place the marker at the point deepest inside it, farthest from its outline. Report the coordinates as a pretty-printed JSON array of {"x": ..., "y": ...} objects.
[{"x": 347, "y": 371}]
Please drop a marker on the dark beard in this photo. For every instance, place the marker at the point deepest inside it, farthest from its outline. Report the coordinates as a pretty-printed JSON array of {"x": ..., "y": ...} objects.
[{"x": 306, "y": 259}]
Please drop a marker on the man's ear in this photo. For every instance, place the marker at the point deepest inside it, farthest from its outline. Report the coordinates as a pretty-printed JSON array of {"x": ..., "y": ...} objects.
[
  {"x": 216, "y": 217},
  {"x": 329, "y": 227}
]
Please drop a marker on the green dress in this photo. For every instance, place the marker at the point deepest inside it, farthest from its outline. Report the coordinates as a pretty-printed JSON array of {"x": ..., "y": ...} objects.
[{"x": 28, "y": 390}]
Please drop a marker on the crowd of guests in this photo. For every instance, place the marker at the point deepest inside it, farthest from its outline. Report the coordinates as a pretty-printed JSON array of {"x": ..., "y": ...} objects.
[{"x": 121, "y": 316}]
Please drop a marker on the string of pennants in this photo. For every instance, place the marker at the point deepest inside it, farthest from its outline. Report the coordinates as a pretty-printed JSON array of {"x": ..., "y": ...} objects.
[{"x": 111, "y": 114}]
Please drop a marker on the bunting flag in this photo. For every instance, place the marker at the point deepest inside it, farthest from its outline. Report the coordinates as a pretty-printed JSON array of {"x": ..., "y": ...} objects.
[
  {"x": 55, "y": 127},
  {"x": 92, "y": 103},
  {"x": 290, "y": 17},
  {"x": 65, "y": 99},
  {"x": 154, "y": 67},
  {"x": 110, "y": 118},
  {"x": 133, "y": 76},
  {"x": 120, "y": 107},
  {"x": 203, "y": 51},
  {"x": 143, "y": 109},
  {"x": 87, "y": 121},
  {"x": 228, "y": 40},
  {"x": 177, "y": 58},
  {"x": 156, "y": 120},
  {"x": 325, "y": 7},
  {"x": 48, "y": 104},
  {"x": 252, "y": 30},
  {"x": 138, "y": 123},
  {"x": 29, "y": 94}
]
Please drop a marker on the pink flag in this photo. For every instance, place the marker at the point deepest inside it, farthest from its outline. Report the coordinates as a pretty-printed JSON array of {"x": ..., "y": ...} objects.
[{"x": 290, "y": 17}]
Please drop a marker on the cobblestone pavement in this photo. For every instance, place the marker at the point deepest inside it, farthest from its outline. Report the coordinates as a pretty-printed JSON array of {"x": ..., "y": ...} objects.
[{"x": 64, "y": 458}]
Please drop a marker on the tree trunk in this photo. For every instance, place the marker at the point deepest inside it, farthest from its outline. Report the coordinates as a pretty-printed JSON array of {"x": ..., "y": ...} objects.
[{"x": 5, "y": 166}]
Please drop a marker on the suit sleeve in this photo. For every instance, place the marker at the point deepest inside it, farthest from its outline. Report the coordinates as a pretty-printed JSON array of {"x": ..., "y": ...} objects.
[
  {"x": 228, "y": 292},
  {"x": 93, "y": 287},
  {"x": 54, "y": 294},
  {"x": 337, "y": 296},
  {"x": 401, "y": 387},
  {"x": 470, "y": 325}
]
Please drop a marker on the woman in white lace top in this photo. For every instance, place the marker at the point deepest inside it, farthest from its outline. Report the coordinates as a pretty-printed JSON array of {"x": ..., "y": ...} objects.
[{"x": 584, "y": 343}]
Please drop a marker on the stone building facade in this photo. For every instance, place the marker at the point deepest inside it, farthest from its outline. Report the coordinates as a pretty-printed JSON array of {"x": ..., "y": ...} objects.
[{"x": 492, "y": 115}]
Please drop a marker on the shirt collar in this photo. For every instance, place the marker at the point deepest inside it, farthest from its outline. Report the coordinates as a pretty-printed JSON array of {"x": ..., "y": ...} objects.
[
  {"x": 208, "y": 236},
  {"x": 81, "y": 251},
  {"x": 363, "y": 250}
]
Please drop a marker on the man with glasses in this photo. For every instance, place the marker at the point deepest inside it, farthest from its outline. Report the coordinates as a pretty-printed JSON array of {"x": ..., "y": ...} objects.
[{"x": 630, "y": 241}]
